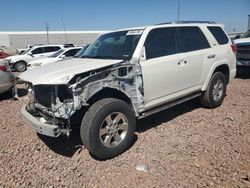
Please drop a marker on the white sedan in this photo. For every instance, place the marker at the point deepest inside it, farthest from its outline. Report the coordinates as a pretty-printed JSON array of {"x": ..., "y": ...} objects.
[{"x": 57, "y": 56}]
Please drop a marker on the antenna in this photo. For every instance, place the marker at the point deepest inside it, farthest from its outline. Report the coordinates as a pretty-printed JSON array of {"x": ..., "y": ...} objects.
[
  {"x": 65, "y": 34},
  {"x": 178, "y": 16},
  {"x": 47, "y": 31},
  {"x": 249, "y": 21}
]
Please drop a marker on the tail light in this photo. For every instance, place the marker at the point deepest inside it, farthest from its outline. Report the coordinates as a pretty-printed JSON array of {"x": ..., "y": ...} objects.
[
  {"x": 234, "y": 48},
  {"x": 3, "y": 68}
]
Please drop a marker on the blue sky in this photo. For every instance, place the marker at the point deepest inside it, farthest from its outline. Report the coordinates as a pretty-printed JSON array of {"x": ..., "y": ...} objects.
[{"x": 30, "y": 15}]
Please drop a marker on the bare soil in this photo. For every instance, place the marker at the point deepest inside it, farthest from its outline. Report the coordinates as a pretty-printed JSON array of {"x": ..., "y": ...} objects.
[{"x": 185, "y": 146}]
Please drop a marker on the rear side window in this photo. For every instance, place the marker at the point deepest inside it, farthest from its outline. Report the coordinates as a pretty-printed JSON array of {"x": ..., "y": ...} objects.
[
  {"x": 219, "y": 35},
  {"x": 192, "y": 39},
  {"x": 52, "y": 49},
  {"x": 38, "y": 51},
  {"x": 161, "y": 42}
]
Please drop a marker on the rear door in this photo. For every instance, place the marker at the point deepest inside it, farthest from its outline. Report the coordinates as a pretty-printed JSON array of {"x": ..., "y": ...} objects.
[{"x": 174, "y": 58}]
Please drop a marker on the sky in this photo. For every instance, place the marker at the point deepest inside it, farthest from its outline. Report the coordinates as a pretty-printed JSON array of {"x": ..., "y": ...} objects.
[{"x": 31, "y": 15}]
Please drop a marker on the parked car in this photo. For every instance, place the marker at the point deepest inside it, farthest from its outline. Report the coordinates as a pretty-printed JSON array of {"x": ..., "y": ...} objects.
[
  {"x": 3, "y": 54},
  {"x": 128, "y": 74},
  {"x": 21, "y": 61},
  {"x": 7, "y": 79},
  {"x": 243, "y": 51},
  {"x": 57, "y": 56}
]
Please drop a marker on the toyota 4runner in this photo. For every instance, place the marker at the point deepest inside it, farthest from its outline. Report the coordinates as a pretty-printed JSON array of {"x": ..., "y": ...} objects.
[{"x": 129, "y": 74}]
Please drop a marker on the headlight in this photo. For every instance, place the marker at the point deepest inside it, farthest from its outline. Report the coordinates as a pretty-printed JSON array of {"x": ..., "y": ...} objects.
[{"x": 11, "y": 61}]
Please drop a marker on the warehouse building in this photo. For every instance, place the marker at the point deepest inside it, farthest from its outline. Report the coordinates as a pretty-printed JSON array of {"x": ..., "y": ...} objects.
[{"x": 17, "y": 40}]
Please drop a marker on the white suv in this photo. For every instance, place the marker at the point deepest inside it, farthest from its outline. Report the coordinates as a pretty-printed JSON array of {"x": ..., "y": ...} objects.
[
  {"x": 19, "y": 62},
  {"x": 129, "y": 74}
]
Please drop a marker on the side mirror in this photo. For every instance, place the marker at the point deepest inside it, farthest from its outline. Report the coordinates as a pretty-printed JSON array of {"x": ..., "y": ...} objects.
[
  {"x": 143, "y": 54},
  {"x": 63, "y": 56},
  {"x": 30, "y": 53}
]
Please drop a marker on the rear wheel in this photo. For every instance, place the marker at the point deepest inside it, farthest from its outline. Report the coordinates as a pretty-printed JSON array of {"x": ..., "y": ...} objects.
[
  {"x": 108, "y": 127},
  {"x": 215, "y": 93},
  {"x": 20, "y": 66}
]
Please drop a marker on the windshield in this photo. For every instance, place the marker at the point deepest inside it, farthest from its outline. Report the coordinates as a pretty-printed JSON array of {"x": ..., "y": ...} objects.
[
  {"x": 26, "y": 51},
  {"x": 117, "y": 45},
  {"x": 57, "y": 53},
  {"x": 247, "y": 34},
  {"x": 81, "y": 52}
]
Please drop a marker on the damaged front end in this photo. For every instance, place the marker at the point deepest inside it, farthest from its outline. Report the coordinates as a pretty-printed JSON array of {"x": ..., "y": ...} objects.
[{"x": 54, "y": 105}]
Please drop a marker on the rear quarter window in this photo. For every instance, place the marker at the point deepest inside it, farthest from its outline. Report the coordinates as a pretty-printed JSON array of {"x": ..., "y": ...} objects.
[{"x": 218, "y": 34}]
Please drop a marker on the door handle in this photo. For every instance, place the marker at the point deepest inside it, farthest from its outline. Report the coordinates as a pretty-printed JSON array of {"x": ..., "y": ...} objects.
[
  {"x": 182, "y": 62},
  {"x": 211, "y": 56}
]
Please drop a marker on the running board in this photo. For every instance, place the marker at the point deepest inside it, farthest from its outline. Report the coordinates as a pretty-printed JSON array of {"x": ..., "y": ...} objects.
[{"x": 169, "y": 105}]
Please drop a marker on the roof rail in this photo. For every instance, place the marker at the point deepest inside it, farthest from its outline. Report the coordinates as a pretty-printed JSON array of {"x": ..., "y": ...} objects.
[{"x": 187, "y": 22}]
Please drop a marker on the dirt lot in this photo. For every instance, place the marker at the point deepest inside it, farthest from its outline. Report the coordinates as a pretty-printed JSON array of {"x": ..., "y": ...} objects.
[{"x": 185, "y": 146}]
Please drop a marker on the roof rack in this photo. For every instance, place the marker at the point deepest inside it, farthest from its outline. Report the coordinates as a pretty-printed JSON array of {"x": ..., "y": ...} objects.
[{"x": 187, "y": 22}]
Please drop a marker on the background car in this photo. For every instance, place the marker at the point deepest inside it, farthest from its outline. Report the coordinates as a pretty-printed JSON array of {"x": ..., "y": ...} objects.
[
  {"x": 3, "y": 54},
  {"x": 20, "y": 62},
  {"x": 243, "y": 51},
  {"x": 57, "y": 56},
  {"x": 7, "y": 79}
]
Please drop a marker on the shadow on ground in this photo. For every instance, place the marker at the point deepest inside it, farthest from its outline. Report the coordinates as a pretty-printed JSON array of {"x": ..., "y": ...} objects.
[
  {"x": 243, "y": 74},
  {"x": 167, "y": 115},
  {"x": 68, "y": 146},
  {"x": 63, "y": 145},
  {"x": 9, "y": 95}
]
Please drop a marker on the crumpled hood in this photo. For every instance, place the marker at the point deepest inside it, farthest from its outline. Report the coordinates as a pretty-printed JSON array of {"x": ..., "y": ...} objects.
[
  {"x": 243, "y": 40},
  {"x": 63, "y": 71}
]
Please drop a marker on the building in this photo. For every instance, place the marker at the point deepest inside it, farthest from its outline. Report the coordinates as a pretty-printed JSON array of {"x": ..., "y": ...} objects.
[{"x": 15, "y": 40}]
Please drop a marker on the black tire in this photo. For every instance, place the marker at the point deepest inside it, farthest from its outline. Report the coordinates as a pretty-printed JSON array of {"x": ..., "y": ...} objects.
[
  {"x": 20, "y": 66},
  {"x": 208, "y": 99},
  {"x": 95, "y": 118}
]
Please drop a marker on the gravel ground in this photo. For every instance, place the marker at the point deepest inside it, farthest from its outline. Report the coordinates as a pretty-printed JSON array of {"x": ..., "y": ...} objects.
[{"x": 185, "y": 146}]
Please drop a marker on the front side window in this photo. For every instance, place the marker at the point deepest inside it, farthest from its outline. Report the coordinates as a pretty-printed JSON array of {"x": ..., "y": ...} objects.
[
  {"x": 117, "y": 45},
  {"x": 38, "y": 50},
  {"x": 161, "y": 42},
  {"x": 192, "y": 39}
]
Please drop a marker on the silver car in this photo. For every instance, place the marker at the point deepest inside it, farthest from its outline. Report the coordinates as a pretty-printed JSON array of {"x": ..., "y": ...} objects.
[{"x": 7, "y": 79}]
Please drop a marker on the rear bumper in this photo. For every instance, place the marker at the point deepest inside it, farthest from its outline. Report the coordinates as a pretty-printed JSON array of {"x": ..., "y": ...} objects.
[
  {"x": 38, "y": 126},
  {"x": 243, "y": 64}
]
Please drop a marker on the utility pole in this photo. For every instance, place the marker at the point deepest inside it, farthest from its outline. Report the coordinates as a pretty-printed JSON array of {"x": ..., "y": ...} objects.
[
  {"x": 65, "y": 34},
  {"x": 249, "y": 21},
  {"x": 47, "y": 31},
  {"x": 178, "y": 16}
]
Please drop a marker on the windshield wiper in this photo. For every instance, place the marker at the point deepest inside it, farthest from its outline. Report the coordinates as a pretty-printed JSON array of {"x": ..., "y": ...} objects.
[
  {"x": 103, "y": 57},
  {"x": 86, "y": 56}
]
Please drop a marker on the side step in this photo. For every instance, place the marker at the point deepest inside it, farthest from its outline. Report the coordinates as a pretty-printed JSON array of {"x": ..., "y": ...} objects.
[{"x": 169, "y": 105}]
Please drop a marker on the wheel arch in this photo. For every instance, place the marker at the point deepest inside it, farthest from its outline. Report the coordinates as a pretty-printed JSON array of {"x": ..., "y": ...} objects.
[
  {"x": 223, "y": 67},
  {"x": 110, "y": 93}
]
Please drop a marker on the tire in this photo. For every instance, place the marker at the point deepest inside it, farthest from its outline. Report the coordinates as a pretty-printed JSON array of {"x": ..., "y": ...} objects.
[
  {"x": 104, "y": 141},
  {"x": 216, "y": 91},
  {"x": 20, "y": 66}
]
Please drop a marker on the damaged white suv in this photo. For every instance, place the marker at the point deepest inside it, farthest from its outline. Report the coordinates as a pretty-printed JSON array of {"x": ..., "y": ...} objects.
[{"x": 129, "y": 74}]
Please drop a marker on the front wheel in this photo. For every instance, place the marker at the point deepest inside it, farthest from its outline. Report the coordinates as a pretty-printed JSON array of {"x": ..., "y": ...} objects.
[
  {"x": 108, "y": 127},
  {"x": 216, "y": 91},
  {"x": 20, "y": 66}
]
